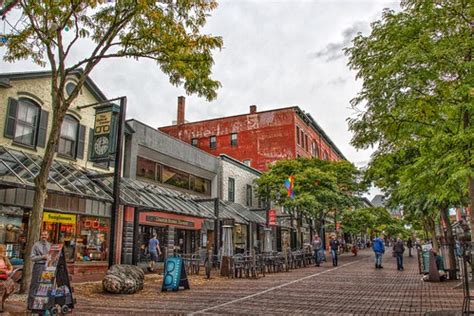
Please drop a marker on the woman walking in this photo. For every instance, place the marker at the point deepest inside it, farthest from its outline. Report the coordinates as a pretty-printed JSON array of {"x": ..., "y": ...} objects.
[{"x": 7, "y": 286}]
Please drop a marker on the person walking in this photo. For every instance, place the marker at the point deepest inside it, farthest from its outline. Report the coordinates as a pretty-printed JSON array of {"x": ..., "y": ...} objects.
[
  {"x": 39, "y": 255},
  {"x": 378, "y": 246},
  {"x": 7, "y": 286},
  {"x": 399, "y": 249},
  {"x": 317, "y": 247},
  {"x": 153, "y": 249},
  {"x": 409, "y": 246},
  {"x": 334, "y": 246}
]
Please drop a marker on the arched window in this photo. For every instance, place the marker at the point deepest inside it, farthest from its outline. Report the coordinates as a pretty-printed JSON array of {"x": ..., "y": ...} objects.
[
  {"x": 27, "y": 119},
  {"x": 68, "y": 139}
]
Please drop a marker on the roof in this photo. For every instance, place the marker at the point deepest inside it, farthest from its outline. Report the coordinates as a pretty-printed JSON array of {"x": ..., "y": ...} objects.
[
  {"x": 19, "y": 169},
  {"x": 5, "y": 79},
  {"x": 378, "y": 200}
]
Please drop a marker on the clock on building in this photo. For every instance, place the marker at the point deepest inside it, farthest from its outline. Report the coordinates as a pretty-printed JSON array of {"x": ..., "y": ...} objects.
[{"x": 101, "y": 146}]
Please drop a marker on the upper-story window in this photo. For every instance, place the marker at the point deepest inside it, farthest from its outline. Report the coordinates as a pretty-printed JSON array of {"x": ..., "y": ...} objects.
[
  {"x": 247, "y": 162},
  {"x": 70, "y": 86},
  {"x": 249, "y": 195},
  {"x": 231, "y": 190},
  {"x": 194, "y": 142},
  {"x": 325, "y": 155},
  {"x": 26, "y": 123},
  {"x": 233, "y": 139},
  {"x": 306, "y": 142},
  {"x": 212, "y": 142},
  {"x": 302, "y": 138},
  {"x": 69, "y": 139},
  {"x": 314, "y": 149},
  {"x": 298, "y": 135}
]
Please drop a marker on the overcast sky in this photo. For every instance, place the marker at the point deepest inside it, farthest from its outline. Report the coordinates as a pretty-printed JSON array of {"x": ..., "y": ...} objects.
[{"x": 276, "y": 54}]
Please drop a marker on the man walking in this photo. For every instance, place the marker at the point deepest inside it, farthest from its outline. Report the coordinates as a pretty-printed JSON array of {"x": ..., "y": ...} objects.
[
  {"x": 153, "y": 249},
  {"x": 409, "y": 246},
  {"x": 399, "y": 249},
  {"x": 317, "y": 247},
  {"x": 378, "y": 246},
  {"x": 334, "y": 246},
  {"x": 39, "y": 255}
]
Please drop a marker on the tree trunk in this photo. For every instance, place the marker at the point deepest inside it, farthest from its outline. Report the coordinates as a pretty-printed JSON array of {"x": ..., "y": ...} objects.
[
  {"x": 36, "y": 214},
  {"x": 451, "y": 259}
]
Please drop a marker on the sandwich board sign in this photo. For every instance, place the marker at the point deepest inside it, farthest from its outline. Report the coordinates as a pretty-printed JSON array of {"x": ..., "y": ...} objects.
[{"x": 174, "y": 275}]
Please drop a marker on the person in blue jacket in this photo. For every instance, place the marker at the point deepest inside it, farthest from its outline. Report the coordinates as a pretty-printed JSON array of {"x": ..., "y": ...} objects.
[{"x": 378, "y": 246}]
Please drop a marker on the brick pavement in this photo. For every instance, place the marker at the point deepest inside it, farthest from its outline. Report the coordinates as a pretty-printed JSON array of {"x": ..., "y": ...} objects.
[{"x": 354, "y": 287}]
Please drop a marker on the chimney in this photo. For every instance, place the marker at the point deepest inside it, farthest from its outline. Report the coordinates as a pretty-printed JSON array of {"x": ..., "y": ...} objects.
[
  {"x": 253, "y": 109},
  {"x": 181, "y": 104}
]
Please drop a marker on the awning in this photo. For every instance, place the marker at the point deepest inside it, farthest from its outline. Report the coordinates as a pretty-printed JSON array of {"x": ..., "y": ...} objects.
[{"x": 18, "y": 169}]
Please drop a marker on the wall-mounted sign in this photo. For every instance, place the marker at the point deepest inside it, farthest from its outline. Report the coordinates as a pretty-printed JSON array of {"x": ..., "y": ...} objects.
[
  {"x": 59, "y": 218},
  {"x": 105, "y": 133},
  {"x": 272, "y": 218}
]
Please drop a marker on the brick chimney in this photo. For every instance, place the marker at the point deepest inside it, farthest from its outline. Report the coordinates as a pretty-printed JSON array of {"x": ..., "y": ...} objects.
[
  {"x": 181, "y": 108},
  {"x": 253, "y": 109}
]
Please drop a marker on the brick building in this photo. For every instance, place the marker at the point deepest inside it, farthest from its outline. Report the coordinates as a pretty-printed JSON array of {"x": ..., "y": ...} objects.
[{"x": 257, "y": 138}]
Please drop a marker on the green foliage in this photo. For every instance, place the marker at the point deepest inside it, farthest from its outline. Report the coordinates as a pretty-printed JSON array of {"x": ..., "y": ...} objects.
[
  {"x": 416, "y": 67},
  {"x": 320, "y": 186},
  {"x": 166, "y": 32}
]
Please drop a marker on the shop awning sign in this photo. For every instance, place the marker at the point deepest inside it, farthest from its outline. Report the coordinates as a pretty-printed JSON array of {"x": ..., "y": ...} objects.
[
  {"x": 59, "y": 218},
  {"x": 105, "y": 133}
]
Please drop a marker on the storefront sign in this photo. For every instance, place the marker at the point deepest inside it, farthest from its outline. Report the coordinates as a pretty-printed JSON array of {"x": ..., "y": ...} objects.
[
  {"x": 59, "y": 218},
  {"x": 272, "y": 217},
  {"x": 173, "y": 221},
  {"x": 104, "y": 138}
]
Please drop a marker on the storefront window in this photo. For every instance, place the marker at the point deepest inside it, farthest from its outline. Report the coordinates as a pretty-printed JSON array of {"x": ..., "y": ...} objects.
[
  {"x": 200, "y": 185},
  {"x": 175, "y": 178},
  {"x": 13, "y": 230},
  {"x": 148, "y": 169},
  {"x": 62, "y": 230},
  {"x": 92, "y": 239}
]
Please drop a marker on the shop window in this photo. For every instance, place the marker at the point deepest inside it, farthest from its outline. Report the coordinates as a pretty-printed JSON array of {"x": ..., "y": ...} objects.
[
  {"x": 212, "y": 142},
  {"x": 62, "y": 230},
  {"x": 144, "y": 235},
  {"x": 233, "y": 139},
  {"x": 231, "y": 190},
  {"x": 200, "y": 185},
  {"x": 13, "y": 230},
  {"x": 92, "y": 236},
  {"x": 249, "y": 195},
  {"x": 175, "y": 178},
  {"x": 194, "y": 142},
  {"x": 147, "y": 169}
]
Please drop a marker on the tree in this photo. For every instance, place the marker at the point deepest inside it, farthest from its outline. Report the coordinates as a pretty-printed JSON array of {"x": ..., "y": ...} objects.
[
  {"x": 167, "y": 32},
  {"x": 321, "y": 187},
  {"x": 416, "y": 67}
]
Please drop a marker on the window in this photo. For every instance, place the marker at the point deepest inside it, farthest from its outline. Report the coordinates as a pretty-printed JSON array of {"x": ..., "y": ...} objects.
[
  {"x": 302, "y": 138},
  {"x": 247, "y": 162},
  {"x": 148, "y": 169},
  {"x": 231, "y": 190},
  {"x": 68, "y": 138},
  {"x": 314, "y": 150},
  {"x": 70, "y": 86},
  {"x": 212, "y": 142},
  {"x": 26, "y": 122},
  {"x": 297, "y": 135},
  {"x": 233, "y": 139},
  {"x": 325, "y": 155},
  {"x": 175, "y": 177},
  {"x": 200, "y": 185},
  {"x": 306, "y": 142},
  {"x": 194, "y": 142},
  {"x": 248, "y": 195}
]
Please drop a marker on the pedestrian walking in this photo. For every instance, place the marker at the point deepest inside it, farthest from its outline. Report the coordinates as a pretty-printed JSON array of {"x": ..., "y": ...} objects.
[
  {"x": 153, "y": 249},
  {"x": 409, "y": 246},
  {"x": 378, "y": 246},
  {"x": 334, "y": 246},
  {"x": 317, "y": 247},
  {"x": 399, "y": 249},
  {"x": 39, "y": 255}
]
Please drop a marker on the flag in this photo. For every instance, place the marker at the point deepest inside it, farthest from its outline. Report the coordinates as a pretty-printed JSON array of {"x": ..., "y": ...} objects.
[{"x": 289, "y": 183}]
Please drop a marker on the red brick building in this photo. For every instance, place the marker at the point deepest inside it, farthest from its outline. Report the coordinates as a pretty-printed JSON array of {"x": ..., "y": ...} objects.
[{"x": 257, "y": 138}]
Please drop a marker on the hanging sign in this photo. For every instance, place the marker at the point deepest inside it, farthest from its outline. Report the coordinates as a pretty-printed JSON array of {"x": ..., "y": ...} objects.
[
  {"x": 272, "y": 218},
  {"x": 105, "y": 133}
]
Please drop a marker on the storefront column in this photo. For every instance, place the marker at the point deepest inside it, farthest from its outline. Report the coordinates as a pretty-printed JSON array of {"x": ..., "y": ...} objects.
[{"x": 171, "y": 241}]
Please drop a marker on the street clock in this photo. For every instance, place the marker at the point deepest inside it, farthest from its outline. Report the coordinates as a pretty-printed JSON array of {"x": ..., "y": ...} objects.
[{"x": 104, "y": 139}]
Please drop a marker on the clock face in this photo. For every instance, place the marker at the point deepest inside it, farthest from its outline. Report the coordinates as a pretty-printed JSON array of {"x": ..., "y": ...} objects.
[{"x": 101, "y": 145}]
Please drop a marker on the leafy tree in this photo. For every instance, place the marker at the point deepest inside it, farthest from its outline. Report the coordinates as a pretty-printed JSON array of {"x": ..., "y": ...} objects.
[
  {"x": 416, "y": 67},
  {"x": 167, "y": 32},
  {"x": 321, "y": 187}
]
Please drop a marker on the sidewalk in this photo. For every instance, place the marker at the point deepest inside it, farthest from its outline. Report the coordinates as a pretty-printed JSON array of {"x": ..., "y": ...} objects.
[{"x": 354, "y": 287}]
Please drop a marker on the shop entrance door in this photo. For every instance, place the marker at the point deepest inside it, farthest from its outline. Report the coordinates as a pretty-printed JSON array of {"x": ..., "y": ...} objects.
[{"x": 145, "y": 233}]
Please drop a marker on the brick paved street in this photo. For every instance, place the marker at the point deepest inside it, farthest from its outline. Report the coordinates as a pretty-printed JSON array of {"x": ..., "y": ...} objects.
[{"x": 355, "y": 287}]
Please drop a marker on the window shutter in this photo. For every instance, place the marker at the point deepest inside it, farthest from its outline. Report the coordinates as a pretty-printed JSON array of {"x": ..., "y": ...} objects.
[
  {"x": 91, "y": 135},
  {"x": 81, "y": 142},
  {"x": 10, "y": 121},
  {"x": 42, "y": 129}
]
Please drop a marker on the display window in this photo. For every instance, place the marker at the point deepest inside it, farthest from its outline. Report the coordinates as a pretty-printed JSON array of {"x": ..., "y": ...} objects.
[
  {"x": 13, "y": 230},
  {"x": 92, "y": 238},
  {"x": 62, "y": 230}
]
